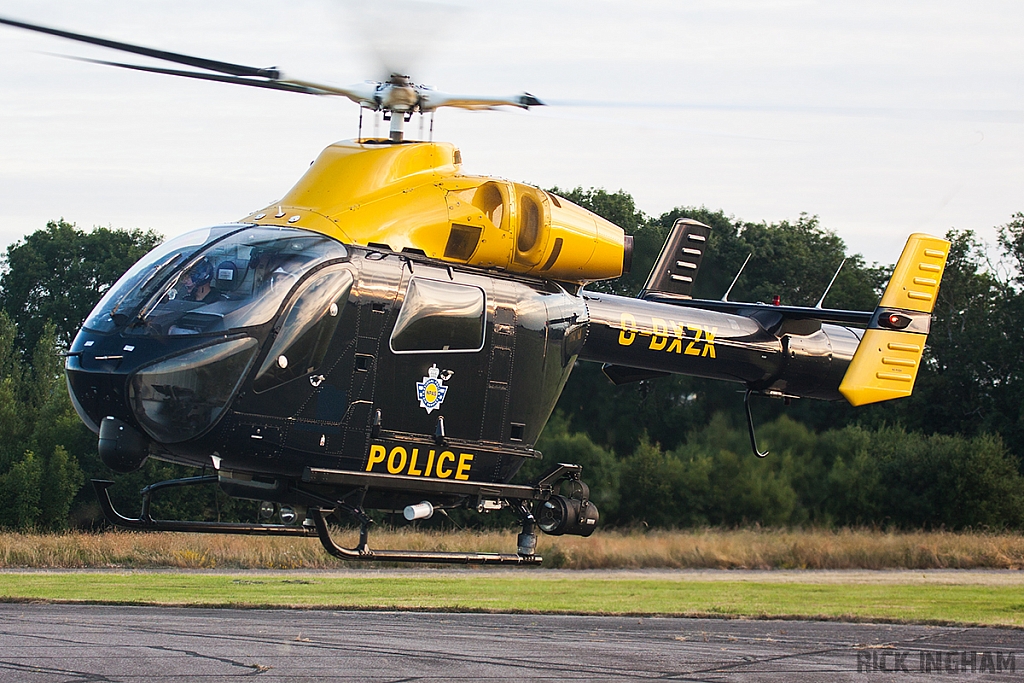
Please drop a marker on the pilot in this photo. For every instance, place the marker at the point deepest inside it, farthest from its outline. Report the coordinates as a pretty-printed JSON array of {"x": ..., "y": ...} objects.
[{"x": 197, "y": 284}]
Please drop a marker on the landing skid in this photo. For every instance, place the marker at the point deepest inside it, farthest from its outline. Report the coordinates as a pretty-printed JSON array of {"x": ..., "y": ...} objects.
[
  {"x": 146, "y": 523},
  {"x": 362, "y": 552},
  {"x": 320, "y": 508}
]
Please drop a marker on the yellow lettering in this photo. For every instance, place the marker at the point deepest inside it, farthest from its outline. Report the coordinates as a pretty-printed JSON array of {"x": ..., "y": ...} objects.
[
  {"x": 449, "y": 456},
  {"x": 627, "y": 329},
  {"x": 690, "y": 349},
  {"x": 412, "y": 464},
  {"x": 392, "y": 467},
  {"x": 447, "y": 464},
  {"x": 658, "y": 339},
  {"x": 709, "y": 342},
  {"x": 677, "y": 332},
  {"x": 377, "y": 454},
  {"x": 465, "y": 460}
]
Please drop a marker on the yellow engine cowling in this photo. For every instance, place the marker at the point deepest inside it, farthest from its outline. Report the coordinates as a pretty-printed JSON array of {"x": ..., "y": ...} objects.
[{"x": 412, "y": 196}]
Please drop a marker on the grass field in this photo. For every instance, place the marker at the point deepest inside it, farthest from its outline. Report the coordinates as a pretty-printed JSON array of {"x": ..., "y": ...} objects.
[
  {"x": 556, "y": 592},
  {"x": 696, "y": 549},
  {"x": 315, "y": 580}
]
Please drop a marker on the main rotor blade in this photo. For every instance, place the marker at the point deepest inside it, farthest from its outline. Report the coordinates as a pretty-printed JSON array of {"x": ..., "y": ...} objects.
[
  {"x": 272, "y": 85},
  {"x": 198, "y": 62},
  {"x": 433, "y": 99},
  {"x": 361, "y": 94}
]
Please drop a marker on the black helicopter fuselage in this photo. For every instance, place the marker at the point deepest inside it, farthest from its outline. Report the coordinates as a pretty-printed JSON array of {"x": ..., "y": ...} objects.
[{"x": 383, "y": 363}]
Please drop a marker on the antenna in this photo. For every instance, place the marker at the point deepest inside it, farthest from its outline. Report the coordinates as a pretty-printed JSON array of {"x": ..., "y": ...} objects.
[
  {"x": 725, "y": 297},
  {"x": 832, "y": 282}
]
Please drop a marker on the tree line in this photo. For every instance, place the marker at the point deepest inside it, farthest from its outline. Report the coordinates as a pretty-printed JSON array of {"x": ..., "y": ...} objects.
[{"x": 671, "y": 452}]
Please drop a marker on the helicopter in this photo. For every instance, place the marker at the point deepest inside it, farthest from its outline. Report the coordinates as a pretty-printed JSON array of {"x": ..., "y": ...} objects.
[{"x": 393, "y": 334}]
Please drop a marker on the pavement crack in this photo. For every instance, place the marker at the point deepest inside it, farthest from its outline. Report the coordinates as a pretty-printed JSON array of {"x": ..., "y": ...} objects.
[
  {"x": 74, "y": 675},
  {"x": 732, "y": 666},
  {"x": 254, "y": 669}
]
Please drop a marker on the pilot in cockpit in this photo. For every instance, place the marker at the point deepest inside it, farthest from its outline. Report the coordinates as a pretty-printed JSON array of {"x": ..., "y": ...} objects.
[{"x": 197, "y": 284}]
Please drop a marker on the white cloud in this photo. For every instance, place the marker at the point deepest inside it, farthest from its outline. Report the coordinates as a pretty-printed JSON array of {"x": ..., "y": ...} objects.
[{"x": 881, "y": 117}]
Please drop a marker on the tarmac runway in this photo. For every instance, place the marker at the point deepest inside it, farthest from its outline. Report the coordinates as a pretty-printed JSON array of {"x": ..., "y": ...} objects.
[{"x": 44, "y": 642}]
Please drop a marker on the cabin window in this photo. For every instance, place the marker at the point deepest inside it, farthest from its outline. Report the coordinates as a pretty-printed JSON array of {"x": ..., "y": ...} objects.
[
  {"x": 179, "y": 398},
  {"x": 308, "y": 326},
  {"x": 440, "y": 316}
]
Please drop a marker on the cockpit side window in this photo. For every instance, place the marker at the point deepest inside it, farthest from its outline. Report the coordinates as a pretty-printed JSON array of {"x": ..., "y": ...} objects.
[
  {"x": 440, "y": 316},
  {"x": 309, "y": 323}
]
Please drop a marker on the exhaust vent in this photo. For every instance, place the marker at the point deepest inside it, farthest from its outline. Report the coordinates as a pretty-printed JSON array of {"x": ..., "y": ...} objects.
[{"x": 679, "y": 261}]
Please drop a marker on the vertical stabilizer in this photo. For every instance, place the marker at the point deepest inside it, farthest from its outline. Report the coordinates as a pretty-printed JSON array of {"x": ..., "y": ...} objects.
[
  {"x": 679, "y": 260},
  {"x": 887, "y": 360}
]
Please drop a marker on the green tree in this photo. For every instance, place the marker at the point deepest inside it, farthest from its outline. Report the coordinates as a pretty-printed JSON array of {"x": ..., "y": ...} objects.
[
  {"x": 13, "y": 425},
  {"x": 40, "y": 435},
  {"x": 48, "y": 283},
  {"x": 59, "y": 273},
  {"x": 742, "y": 489},
  {"x": 854, "y": 482},
  {"x": 600, "y": 467},
  {"x": 61, "y": 480},
  {"x": 20, "y": 493},
  {"x": 650, "y": 486},
  {"x": 970, "y": 377}
]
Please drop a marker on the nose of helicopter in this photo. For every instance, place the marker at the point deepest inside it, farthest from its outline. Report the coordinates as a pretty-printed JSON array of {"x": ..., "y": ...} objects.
[
  {"x": 162, "y": 355},
  {"x": 130, "y": 401}
]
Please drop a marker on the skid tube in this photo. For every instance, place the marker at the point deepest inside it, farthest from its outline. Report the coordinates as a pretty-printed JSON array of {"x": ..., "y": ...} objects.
[
  {"x": 144, "y": 522},
  {"x": 362, "y": 552},
  {"x": 317, "y": 513}
]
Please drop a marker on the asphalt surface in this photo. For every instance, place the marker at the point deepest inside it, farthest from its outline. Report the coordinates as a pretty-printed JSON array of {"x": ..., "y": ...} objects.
[{"x": 41, "y": 642}]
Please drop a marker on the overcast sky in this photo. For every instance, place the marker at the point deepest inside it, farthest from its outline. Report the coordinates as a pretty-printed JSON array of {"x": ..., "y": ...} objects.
[{"x": 883, "y": 118}]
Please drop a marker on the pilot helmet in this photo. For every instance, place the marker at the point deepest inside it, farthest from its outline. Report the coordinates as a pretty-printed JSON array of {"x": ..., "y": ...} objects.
[{"x": 200, "y": 274}]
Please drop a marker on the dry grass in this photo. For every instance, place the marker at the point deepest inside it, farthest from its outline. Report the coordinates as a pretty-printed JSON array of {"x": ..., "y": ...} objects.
[{"x": 697, "y": 549}]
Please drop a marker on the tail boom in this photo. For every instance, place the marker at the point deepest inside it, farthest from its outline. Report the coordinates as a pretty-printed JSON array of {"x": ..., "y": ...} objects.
[
  {"x": 799, "y": 358},
  {"x": 794, "y": 351}
]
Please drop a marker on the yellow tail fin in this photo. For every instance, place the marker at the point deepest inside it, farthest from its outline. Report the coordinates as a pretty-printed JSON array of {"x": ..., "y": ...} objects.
[{"x": 889, "y": 355}]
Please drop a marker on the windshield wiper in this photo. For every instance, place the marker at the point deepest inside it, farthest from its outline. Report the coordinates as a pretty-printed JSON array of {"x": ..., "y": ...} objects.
[{"x": 142, "y": 288}]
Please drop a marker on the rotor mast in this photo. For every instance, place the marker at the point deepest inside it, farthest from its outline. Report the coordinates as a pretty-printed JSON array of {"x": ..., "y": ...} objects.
[{"x": 400, "y": 99}]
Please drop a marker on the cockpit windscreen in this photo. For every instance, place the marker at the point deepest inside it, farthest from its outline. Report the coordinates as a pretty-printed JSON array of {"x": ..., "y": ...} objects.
[{"x": 239, "y": 281}]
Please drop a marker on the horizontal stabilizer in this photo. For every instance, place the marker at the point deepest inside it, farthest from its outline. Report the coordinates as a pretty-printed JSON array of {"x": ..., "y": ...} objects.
[{"x": 887, "y": 360}]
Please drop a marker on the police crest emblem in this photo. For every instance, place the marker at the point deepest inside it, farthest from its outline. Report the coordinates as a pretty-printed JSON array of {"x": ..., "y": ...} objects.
[{"x": 431, "y": 390}]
